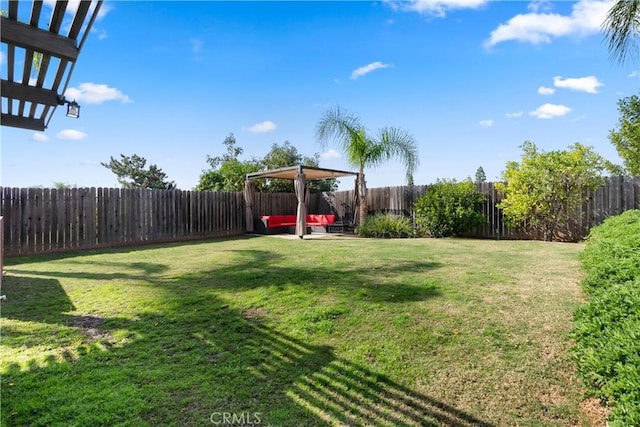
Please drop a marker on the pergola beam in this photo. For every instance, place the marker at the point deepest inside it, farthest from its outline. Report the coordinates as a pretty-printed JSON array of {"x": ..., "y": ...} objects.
[
  {"x": 290, "y": 172},
  {"x": 22, "y": 122},
  {"x": 35, "y": 95},
  {"x": 52, "y": 48},
  {"x": 39, "y": 40}
]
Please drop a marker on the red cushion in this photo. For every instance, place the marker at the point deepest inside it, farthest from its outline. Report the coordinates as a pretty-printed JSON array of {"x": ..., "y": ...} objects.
[
  {"x": 289, "y": 220},
  {"x": 321, "y": 219},
  {"x": 279, "y": 220}
]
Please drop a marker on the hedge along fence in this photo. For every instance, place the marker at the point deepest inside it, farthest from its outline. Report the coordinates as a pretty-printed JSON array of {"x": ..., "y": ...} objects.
[
  {"x": 607, "y": 326},
  {"x": 48, "y": 220}
]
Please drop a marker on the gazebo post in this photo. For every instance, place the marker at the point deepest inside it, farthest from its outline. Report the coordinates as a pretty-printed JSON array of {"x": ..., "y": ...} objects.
[
  {"x": 248, "y": 201},
  {"x": 1, "y": 253},
  {"x": 299, "y": 184}
]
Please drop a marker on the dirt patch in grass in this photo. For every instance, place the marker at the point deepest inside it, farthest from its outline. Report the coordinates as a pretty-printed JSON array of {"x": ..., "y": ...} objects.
[
  {"x": 594, "y": 412},
  {"x": 255, "y": 313},
  {"x": 89, "y": 326},
  {"x": 554, "y": 395}
]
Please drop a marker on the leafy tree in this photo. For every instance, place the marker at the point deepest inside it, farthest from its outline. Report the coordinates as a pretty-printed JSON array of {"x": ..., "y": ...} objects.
[
  {"x": 285, "y": 155},
  {"x": 480, "y": 175},
  {"x": 362, "y": 150},
  {"x": 62, "y": 185},
  {"x": 232, "y": 153},
  {"x": 449, "y": 208},
  {"x": 626, "y": 138},
  {"x": 227, "y": 172},
  {"x": 131, "y": 173},
  {"x": 545, "y": 187},
  {"x": 621, "y": 29},
  {"x": 229, "y": 177}
]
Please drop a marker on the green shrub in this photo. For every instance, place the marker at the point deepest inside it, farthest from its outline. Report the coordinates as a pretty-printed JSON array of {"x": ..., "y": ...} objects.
[
  {"x": 449, "y": 208},
  {"x": 607, "y": 327},
  {"x": 385, "y": 226}
]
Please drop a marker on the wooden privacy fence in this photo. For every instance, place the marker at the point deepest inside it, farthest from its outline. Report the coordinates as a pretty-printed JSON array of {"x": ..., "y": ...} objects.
[
  {"x": 394, "y": 200},
  {"x": 616, "y": 196},
  {"x": 47, "y": 220}
]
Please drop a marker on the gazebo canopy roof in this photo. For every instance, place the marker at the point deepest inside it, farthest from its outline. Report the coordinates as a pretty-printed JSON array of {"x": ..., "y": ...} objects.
[
  {"x": 310, "y": 173},
  {"x": 41, "y": 52}
]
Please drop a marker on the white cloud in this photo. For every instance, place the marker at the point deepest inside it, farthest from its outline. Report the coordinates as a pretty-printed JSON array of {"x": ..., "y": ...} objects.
[
  {"x": 436, "y": 8},
  {"x": 549, "y": 111},
  {"x": 514, "y": 115},
  {"x": 633, "y": 74},
  {"x": 40, "y": 137},
  {"x": 101, "y": 32},
  {"x": 589, "y": 84},
  {"x": 486, "y": 123},
  {"x": 93, "y": 93},
  {"x": 586, "y": 18},
  {"x": 546, "y": 90},
  {"x": 2, "y": 57},
  {"x": 72, "y": 7},
  {"x": 71, "y": 134},
  {"x": 104, "y": 9},
  {"x": 359, "y": 72},
  {"x": 537, "y": 6},
  {"x": 263, "y": 127},
  {"x": 331, "y": 154}
]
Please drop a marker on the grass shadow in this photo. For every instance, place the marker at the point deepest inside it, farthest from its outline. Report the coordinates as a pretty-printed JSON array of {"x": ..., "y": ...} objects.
[
  {"x": 35, "y": 299},
  {"x": 255, "y": 268},
  {"x": 120, "y": 270},
  {"x": 11, "y": 260},
  {"x": 180, "y": 367}
]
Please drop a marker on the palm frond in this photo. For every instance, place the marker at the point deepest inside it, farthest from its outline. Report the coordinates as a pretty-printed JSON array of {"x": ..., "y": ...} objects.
[
  {"x": 338, "y": 125},
  {"x": 360, "y": 149},
  {"x": 400, "y": 144},
  {"x": 622, "y": 28}
]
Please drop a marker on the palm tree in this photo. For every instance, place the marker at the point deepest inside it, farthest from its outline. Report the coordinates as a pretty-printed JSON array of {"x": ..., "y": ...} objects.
[
  {"x": 361, "y": 150},
  {"x": 621, "y": 29}
]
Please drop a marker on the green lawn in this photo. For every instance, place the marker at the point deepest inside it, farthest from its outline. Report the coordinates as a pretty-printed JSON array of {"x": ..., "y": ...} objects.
[{"x": 293, "y": 333}]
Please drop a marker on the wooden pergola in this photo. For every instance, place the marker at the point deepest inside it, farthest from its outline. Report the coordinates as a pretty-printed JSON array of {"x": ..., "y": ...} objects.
[
  {"x": 300, "y": 175},
  {"x": 40, "y": 58}
]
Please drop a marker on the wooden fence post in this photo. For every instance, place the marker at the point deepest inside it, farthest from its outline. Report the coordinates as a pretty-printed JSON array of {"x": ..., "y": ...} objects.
[{"x": 1, "y": 254}]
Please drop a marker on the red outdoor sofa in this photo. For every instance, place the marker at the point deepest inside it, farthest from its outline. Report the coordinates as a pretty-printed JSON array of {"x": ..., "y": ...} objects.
[{"x": 274, "y": 221}]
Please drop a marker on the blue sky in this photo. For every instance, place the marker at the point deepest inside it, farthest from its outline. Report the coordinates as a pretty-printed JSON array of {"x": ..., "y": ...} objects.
[{"x": 469, "y": 79}]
